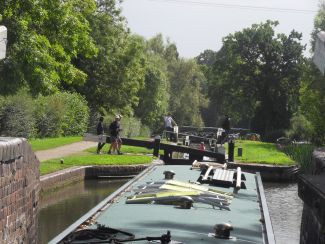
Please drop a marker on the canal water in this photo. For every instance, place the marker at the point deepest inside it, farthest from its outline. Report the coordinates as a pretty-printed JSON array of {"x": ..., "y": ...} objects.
[
  {"x": 63, "y": 207},
  {"x": 285, "y": 209}
]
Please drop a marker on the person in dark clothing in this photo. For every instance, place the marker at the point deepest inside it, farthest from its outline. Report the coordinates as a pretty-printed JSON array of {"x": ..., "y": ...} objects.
[
  {"x": 100, "y": 133},
  {"x": 116, "y": 141},
  {"x": 226, "y": 124},
  {"x": 226, "y": 127}
]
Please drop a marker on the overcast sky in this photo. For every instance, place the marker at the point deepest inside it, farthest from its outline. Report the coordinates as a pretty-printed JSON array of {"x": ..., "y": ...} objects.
[{"x": 196, "y": 25}]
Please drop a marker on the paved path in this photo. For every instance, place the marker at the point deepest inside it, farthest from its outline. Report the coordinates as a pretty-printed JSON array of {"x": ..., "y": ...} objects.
[{"x": 63, "y": 151}]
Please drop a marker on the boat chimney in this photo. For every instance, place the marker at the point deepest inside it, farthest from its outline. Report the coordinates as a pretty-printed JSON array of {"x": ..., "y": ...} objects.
[
  {"x": 186, "y": 202},
  {"x": 169, "y": 174},
  {"x": 222, "y": 231}
]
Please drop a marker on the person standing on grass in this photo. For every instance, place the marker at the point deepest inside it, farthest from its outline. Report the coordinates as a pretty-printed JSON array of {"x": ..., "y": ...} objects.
[
  {"x": 169, "y": 126},
  {"x": 116, "y": 141},
  {"x": 100, "y": 133}
]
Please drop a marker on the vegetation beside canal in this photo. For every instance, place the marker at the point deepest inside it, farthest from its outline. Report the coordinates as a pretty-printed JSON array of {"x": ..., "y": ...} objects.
[
  {"x": 261, "y": 152},
  {"x": 302, "y": 154},
  {"x": 49, "y": 143}
]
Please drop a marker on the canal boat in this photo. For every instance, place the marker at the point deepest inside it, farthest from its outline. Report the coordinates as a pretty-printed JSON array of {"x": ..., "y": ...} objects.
[{"x": 202, "y": 203}]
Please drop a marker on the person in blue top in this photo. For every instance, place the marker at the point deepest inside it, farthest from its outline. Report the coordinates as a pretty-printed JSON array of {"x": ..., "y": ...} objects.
[
  {"x": 169, "y": 126},
  {"x": 100, "y": 132}
]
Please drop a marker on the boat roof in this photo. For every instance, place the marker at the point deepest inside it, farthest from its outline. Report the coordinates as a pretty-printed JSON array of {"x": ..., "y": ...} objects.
[{"x": 194, "y": 225}]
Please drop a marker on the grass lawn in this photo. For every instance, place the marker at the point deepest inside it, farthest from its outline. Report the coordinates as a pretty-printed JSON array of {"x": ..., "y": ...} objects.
[
  {"x": 124, "y": 149},
  {"x": 48, "y": 143},
  {"x": 261, "y": 152},
  {"x": 88, "y": 158}
]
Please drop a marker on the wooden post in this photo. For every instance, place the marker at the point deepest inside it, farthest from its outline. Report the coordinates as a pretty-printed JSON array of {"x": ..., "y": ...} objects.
[
  {"x": 240, "y": 152},
  {"x": 167, "y": 156},
  {"x": 231, "y": 151},
  {"x": 156, "y": 146}
]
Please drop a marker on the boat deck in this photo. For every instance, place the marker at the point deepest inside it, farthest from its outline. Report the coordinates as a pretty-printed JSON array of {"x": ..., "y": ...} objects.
[{"x": 194, "y": 225}]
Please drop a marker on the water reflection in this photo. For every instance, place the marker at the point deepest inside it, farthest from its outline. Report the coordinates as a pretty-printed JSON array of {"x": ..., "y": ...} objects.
[
  {"x": 60, "y": 209},
  {"x": 285, "y": 208}
]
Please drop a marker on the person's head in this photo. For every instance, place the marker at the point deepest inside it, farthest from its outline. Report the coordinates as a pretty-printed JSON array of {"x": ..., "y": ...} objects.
[
  {"x": 118, "y": 117},
  {"x": 101, "y": 118}
]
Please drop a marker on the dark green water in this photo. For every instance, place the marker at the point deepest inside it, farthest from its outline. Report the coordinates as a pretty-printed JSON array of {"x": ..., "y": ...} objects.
[{"x": 61, "y": 208}]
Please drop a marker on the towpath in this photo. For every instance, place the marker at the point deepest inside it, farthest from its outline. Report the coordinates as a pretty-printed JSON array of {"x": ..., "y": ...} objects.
[{"x": 63, "y": 151}]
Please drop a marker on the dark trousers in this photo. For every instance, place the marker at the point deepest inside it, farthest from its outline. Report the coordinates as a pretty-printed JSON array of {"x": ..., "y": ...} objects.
[
  {"x": 170, "y": 133},
  {"x": 100, "y": 146}
]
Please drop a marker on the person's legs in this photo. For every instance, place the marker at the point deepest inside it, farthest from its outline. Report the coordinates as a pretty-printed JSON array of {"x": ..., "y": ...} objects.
[
  {"x": 119, "y": 145},
  {"x": 99, "y": 147},
  {"x": 170, "y": 131},
  {"x": 112, "y": 147}
]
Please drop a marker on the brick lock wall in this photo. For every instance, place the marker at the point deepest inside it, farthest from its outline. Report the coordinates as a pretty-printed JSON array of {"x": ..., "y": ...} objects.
[
  {"x": 312, "y": 191},
  {"x": 19, "y": 191}
]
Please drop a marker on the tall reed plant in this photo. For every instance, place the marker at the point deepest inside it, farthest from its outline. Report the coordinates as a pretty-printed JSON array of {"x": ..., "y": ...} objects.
[{"x": 302, "y": 154}]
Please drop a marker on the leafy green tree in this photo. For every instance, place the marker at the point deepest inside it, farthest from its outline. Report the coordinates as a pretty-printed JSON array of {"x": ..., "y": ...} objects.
[
  {"x": 312, "y": 96},
  {"x": 154, "y": 95},
  {"x": 116, "y": 74},
  {"x": 312, "y": 93},
  {"x": 184, "y": 84},
  {"x": 206, "y": 60},
  {"x": 257, "y": 77},
  {"x": 186, "y": 99},
  {"x": 43, "y": 39}
]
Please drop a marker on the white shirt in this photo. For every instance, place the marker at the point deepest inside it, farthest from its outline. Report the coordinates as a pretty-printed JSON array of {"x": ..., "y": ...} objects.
[{"x": 168, "y": 121}]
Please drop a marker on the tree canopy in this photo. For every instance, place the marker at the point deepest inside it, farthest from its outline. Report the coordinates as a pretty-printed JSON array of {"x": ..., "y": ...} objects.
[
  {"x": 256, "y": 77},
  {"x": 259, "y": 78}
]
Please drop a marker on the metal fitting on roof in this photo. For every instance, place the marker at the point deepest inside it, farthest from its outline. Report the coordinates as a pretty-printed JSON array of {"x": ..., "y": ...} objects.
[
  {"x": 169, "y": 174},
  {"x": 222, "y": 231}
]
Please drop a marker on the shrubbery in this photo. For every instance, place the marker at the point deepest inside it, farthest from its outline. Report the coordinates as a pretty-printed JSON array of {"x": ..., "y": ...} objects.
[
  {"x": 17, "y": 116},
  {"x": 61, "y": 114},
  {"x": 300, "y": 128},
  {"x": 272, "y": 136},
  {"x": 131, "y": 126},
  {"x": 302, "y": 154}
]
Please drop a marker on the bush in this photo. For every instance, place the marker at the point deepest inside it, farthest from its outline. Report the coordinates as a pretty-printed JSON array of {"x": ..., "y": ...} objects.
[
  {"x": 273, "y": 135},
  {"x": 48, "y": 115},
  {"x": 131, "y": 126},
  {"x": 300, "y": 128},
  {"x": 17, "y": 116},
  {"x": 145, "y": 131},
  {"x": 61, "y": 114},
  {"x": 76, "y": 117}
]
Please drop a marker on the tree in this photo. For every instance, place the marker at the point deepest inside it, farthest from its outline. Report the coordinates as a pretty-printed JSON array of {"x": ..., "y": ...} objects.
[
  {"x": 43, "y": 38},
  {"x": 117, "y": 73},
  {"x": 312, "y": 93},
  {"x": 154, "y": 95},
  {"x": 186, "y": 99},
  {"x": 257, "y": 77},
  {"x": 206, "y": 60}
]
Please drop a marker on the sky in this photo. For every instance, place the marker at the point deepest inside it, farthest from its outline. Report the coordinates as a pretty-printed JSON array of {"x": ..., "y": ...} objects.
[{"x": 197, "y": 25}]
